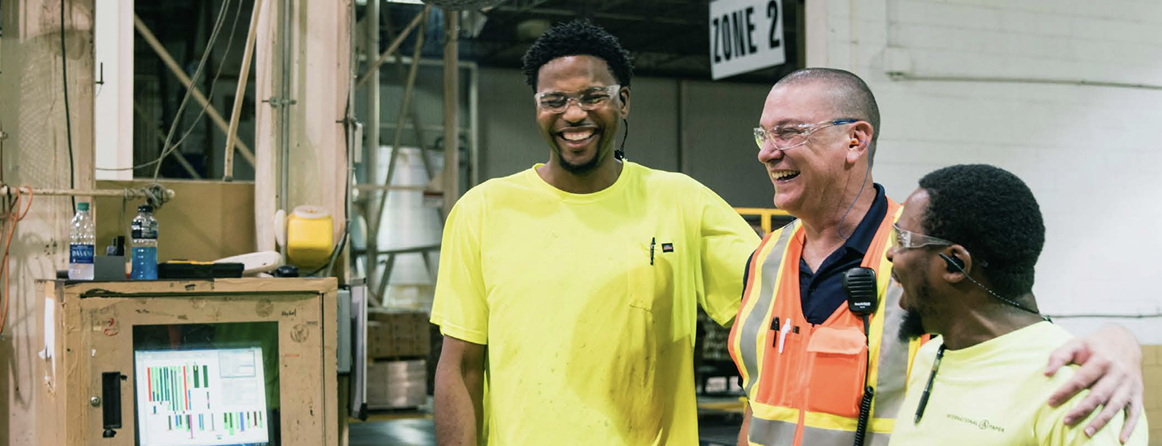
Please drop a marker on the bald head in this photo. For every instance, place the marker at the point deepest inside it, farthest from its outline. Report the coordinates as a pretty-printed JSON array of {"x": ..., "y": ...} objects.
[{"x": 849, "y": 96}]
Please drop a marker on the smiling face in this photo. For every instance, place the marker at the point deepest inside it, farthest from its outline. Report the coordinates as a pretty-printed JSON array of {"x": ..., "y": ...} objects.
[
  {"x": 805, "y": 177},
  {"x": 915, "y": 270},
  {"x": 580, "y": 141}
]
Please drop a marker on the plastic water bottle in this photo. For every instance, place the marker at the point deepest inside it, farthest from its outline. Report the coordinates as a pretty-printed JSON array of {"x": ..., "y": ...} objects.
[
  {"x": 82, "y": 241},
  {"x": 144, "y": 233}
]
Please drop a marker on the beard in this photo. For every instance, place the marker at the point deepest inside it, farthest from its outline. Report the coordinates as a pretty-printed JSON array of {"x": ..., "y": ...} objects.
[
  {"x": 912, "y": 326},
  {"x": 582, "y": 168}
]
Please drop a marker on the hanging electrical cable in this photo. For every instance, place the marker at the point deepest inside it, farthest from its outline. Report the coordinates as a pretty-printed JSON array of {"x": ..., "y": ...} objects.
[
  {"x": 202, "y": 112},
  {"x": 68, "y": 116},
  {"x": 166, "y": 147}
]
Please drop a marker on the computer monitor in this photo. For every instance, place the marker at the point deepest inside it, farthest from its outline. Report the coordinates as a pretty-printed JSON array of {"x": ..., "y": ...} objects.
[{"x": 207, "y": 397}]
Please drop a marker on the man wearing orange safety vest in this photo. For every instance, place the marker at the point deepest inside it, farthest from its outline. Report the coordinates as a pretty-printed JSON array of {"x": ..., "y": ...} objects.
[{"x": 815, "y": 339}]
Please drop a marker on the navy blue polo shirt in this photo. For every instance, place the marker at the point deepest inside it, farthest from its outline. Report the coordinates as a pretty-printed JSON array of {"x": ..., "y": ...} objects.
[{"x": 822, "y": 291}]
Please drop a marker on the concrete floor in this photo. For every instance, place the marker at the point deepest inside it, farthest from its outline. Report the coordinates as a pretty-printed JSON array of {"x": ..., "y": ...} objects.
[{"x": 718, "y": 422}]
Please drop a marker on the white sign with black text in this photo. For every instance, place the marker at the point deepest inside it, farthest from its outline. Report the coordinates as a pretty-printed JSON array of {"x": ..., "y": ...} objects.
[{"x": 745, "y": 35}]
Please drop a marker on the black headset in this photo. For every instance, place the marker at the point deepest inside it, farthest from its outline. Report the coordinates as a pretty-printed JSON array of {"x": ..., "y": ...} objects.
[
  {"x": 955, "y": 265},
  {"x": 620, "y": 152}
]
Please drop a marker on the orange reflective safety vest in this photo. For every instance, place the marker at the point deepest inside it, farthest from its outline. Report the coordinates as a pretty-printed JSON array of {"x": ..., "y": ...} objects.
[{"x": 804, "y": 382}]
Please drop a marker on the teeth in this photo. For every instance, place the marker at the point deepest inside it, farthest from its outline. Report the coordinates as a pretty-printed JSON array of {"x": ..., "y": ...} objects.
[
  {"x": 578, "y": 135},
  {"x": 783, "y": 174}
]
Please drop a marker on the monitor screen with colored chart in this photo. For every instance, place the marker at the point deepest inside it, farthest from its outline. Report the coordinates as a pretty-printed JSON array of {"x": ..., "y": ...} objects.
[{"x": 205, "y": 397}]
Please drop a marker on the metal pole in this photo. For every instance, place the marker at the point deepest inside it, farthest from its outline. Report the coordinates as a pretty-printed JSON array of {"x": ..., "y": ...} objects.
[
  {"x": 131, "y": 193},
  {"x": 409, "y": 88},
  {"x": 371, "y": 47},
  {"x": 381, "y": 289},
  {"x": 451, "y": 109},
  {"x": 284, "y": 111},
  {"x": 394, "y": 44},
  {"x": 397, "y": 140},
  {"x": 383, "y": 187},
  {"x": 417, "y": 126},
  {"x": 185, "y": 80},
  {"x": 474, "y": 127},
  {"x": 240, "y": 92}
]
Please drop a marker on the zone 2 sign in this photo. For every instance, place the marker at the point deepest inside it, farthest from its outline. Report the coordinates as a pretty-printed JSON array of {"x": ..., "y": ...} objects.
[{"x": 745, "y": 35}]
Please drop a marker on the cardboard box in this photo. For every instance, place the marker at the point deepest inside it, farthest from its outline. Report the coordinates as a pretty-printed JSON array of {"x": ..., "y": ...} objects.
[
  {"x": 397, "y": 384},
  {"x": 398, "y": 334}
]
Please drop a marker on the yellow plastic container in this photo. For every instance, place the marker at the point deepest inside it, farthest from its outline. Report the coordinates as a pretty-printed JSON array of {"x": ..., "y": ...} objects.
[{"x": 310, "y": 237}]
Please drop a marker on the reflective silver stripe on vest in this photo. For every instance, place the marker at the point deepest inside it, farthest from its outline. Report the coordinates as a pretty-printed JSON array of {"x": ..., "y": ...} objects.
[
  {"x": 782, "y": 433},
  {"x": 772, "y": 432},
  {"x": 813, "y": 436},
  {"x": 755, "y": 320},
  {"x": 893, "y": 360}
]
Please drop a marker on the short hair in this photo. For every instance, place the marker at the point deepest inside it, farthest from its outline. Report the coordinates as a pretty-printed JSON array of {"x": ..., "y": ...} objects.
[
  {"x": 853, "y": 98},
  {"x": 994, "y": 215},
  {"x": 576, "y": 38}
]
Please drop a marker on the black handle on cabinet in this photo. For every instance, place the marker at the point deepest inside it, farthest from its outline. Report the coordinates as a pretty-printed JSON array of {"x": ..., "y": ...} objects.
[{"x": 111, "y": 402}]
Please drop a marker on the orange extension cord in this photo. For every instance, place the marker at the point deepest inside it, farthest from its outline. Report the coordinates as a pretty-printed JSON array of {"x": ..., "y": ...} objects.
[{"x": 14, "y": 216}]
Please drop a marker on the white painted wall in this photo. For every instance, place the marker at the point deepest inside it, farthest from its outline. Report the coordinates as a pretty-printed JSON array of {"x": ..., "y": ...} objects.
[{"x": 1088, "y": 152}]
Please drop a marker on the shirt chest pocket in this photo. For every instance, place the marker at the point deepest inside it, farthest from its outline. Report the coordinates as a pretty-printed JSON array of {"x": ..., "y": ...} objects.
[
  {"x": 836, "y": 364},
  {"x": 650, "y": 276}
]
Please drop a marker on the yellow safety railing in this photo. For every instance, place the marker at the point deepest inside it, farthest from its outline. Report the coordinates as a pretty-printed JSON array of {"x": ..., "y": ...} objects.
[{"x": 764, "y": 215}]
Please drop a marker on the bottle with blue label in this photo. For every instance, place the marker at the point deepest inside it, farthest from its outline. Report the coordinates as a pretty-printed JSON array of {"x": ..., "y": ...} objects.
[
  {"x": 82, "y": 241},
  {"x": 144, "y": 233}
]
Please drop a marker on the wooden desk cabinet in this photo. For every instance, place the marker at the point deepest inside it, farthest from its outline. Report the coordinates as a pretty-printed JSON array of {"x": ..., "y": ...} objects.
[{"x": 88, "y": 331}]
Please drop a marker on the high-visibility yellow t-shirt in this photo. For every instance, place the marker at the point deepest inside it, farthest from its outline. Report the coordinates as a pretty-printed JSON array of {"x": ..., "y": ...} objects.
[
  {"x": 996, "y": 392},
  {"x": 589, "y": 343}
]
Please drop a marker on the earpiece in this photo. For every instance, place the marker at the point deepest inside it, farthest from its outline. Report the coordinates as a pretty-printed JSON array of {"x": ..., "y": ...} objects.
[
  {"x": 955, "y": 265},
  {"x": 856, "y": 141}
]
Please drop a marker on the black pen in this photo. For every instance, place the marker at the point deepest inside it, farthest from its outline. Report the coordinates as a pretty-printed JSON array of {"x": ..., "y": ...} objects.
[
  {"x": 928, "y": 388},
  {"x": 652, "y": 239},
  {"x": 775, "y": 328}
]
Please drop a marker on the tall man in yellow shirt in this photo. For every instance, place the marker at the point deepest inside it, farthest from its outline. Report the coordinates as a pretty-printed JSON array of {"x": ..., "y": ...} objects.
[
  {"x": 815, "y": 338},
  {"x": 572, "y": 287},
  {"x": 966, "y": 247}
]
